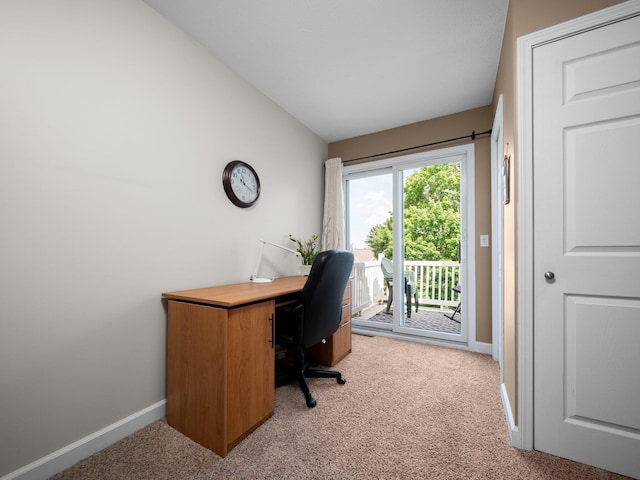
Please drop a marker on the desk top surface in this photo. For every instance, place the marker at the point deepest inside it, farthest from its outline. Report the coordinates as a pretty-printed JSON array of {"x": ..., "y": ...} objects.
[{"x": 240, "y": 293}]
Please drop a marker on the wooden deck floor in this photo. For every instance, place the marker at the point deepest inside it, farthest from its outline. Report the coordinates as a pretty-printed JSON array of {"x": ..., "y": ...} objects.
[{"x": 424, "y": 318}]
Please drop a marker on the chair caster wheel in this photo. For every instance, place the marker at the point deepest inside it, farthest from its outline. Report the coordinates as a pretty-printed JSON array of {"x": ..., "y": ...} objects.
[
  {"x": 311, "y": 402},
  {"x": 341, "y": 381}
]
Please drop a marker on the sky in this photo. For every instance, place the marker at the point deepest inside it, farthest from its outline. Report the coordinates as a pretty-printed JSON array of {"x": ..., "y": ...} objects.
[{"x": 370, "y": 201}]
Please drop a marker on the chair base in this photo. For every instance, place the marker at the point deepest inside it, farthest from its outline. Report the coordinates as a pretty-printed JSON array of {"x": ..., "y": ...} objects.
[{"x": 285, "y": 374}]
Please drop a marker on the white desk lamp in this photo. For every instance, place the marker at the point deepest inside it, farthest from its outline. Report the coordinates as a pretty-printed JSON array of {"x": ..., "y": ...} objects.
[{"x": 254, "y": 277}]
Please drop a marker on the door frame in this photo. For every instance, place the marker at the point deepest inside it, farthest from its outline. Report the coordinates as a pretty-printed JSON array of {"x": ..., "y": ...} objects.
[
  {"x": 497, "y": 232},
  {"x": 522, "y": 434}
]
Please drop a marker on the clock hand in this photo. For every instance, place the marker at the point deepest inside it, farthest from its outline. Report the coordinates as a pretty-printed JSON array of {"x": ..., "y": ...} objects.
[{"x": 245, "y": 183}]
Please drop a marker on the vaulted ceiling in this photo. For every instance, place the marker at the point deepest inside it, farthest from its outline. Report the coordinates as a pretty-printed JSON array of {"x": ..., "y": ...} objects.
[{"x": 345, "y": 68}]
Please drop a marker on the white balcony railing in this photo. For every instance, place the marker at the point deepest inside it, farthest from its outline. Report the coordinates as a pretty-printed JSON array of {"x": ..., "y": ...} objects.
[{"x": 435, "y": 282}]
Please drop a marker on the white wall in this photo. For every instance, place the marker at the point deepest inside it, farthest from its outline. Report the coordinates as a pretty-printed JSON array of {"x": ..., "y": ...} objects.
[{"x": 114, "y": 131}]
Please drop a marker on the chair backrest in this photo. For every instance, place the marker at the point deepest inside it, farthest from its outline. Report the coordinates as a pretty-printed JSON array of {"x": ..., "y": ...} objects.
[
  {"x": 387, "y": 268},
  {"x": 387, "y": 271},
  {"x": 410, "y": 276},
  {"x": 323, "y": 293}
]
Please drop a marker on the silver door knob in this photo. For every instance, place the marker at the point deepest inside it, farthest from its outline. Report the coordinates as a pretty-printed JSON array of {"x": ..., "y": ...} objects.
[{"x": 549, "y": 275}]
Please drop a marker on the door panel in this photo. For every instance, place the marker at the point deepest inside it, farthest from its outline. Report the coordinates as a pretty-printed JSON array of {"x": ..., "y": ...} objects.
[
  {"x": 602, "y": 73},
  {"x": 600, "y": 360},
  {"x": 600, "y": 180},
  {"x": 586, "y": 123},
  {"x": 369, "y": 203},
  {"x": 439, "y": 220}
]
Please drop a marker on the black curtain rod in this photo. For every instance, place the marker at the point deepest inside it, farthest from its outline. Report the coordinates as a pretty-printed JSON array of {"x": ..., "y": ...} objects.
[{"x": 472, "y": 137}]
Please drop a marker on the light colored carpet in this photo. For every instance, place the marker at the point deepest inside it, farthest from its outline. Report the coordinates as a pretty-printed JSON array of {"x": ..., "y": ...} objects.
[{"x": 407, "y": 411}]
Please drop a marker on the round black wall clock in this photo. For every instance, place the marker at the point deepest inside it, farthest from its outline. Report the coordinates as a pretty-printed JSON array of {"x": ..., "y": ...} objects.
[{"x": 241, "y": 183}]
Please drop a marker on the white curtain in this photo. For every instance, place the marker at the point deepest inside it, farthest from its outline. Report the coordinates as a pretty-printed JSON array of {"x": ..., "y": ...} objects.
[{"x": 333, "y": 221}]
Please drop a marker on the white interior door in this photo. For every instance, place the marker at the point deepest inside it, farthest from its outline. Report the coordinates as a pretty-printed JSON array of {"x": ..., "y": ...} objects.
[{"x": 586, "y": 177}]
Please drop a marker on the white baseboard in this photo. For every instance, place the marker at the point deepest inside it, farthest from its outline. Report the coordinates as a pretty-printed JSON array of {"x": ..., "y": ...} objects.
[
  {"x": 67, "y": 456},
  {"x": 485, "y": 348},
  {"x": 514, "y": 434}
]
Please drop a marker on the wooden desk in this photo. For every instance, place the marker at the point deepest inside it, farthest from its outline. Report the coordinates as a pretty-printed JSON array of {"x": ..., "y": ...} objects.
[
  {"x": 220, "y": 359},
  {"x": 229, "y": 296}
]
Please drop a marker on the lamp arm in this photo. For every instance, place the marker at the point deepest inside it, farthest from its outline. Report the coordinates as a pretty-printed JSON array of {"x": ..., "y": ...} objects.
[
  {"x": 297, "y": 254},
  {"x": 254, "y": 277},
  {"x": 255, "y": 270}
]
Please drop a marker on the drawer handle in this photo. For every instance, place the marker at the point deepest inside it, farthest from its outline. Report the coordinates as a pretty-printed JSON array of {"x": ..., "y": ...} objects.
[
  {"x": 345, "y": 324},
  {"x": 272, "y": 330}
]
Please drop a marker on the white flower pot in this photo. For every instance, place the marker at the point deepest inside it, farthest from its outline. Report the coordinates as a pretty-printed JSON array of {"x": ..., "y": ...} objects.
[{"x": 304, "y": 269}]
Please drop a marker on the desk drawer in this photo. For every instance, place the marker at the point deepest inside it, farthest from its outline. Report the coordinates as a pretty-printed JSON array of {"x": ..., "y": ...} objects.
[
  {"x": 338, "y": 345},
  {"x": 346, "y": 314},
  {"x": 347, "y": 294}
]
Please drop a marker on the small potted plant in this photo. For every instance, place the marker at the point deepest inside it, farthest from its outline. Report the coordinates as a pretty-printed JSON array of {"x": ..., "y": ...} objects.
[{"x": 308, "y": 250}]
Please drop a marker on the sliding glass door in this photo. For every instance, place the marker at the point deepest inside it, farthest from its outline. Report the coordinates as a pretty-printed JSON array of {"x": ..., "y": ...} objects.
[
  {"x": 369, "y": 197},
  {"x": 408, "y": 224}
]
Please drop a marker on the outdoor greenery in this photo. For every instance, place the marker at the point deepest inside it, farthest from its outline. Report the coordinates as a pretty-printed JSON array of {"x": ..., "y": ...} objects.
[{"x": 431, "y": 216}]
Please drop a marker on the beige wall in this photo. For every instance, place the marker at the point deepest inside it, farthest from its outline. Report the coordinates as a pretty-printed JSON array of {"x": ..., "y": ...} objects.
[
  {"x": 524, "y": 16},
  {"x": 429, "y": 131},
  {"x": 114, "y": 131}
]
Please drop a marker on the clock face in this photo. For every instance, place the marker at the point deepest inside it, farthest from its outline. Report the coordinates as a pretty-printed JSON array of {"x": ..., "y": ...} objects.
[{"x": 241, "y": 183}]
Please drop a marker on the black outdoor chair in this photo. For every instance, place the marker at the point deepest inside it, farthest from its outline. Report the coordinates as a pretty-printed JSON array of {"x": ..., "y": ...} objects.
[{"x": 458, "y": 290}]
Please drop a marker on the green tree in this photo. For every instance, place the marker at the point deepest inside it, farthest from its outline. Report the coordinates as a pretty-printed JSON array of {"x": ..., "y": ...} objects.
[
  {"x": 379, "y": 238},
  {"x": 431, "y": 216}
]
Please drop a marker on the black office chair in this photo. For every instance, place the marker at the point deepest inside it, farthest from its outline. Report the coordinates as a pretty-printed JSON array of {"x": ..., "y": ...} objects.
[{"x": 313, "y": 317}]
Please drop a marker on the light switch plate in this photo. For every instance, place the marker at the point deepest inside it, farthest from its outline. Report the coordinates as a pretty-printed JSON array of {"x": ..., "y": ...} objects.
[{"x": 484, "y": 240}]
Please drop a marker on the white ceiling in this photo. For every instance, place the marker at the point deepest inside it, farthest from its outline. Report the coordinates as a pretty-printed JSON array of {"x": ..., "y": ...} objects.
[{"x": 345, "y": 68}]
